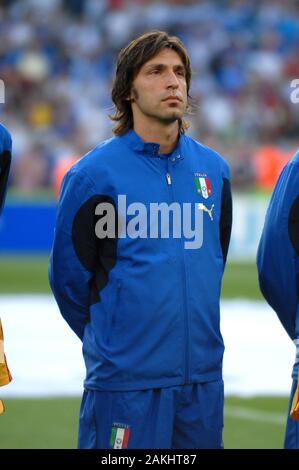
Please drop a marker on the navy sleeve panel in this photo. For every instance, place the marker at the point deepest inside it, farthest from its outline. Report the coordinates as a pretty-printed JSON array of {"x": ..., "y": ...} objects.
[
  {"x": 5, "y": 160},
  {"x": 226, "y": 217},
  {"x": 277, "y": 258},
  {"x": 97, "y": 255},
  {"x": 294, "y": 224}
]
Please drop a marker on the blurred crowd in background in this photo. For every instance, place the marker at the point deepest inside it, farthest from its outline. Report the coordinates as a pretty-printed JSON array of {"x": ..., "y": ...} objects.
[{"x": 57, "y": 60}]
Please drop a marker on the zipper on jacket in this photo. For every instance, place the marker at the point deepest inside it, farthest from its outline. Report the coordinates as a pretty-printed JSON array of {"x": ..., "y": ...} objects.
[
  {"x": 184, "y": 284},
  {"x": 186, "y": 314}
]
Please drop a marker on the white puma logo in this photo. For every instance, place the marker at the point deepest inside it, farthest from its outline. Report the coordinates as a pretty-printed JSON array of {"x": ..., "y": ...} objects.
[{"x": 202, "y": 207}]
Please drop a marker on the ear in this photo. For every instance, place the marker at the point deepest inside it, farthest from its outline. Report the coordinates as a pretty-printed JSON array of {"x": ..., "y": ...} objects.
[
  {"x": 133, "y": 95},
  {"x": 130, "y": 97}
]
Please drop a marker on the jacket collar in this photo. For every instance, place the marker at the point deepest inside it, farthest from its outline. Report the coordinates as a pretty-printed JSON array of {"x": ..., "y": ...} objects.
[{"x": 149, "y": 148}]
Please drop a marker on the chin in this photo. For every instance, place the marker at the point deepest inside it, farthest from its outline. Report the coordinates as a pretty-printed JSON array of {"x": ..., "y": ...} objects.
[{"x": 170, "y": 118}]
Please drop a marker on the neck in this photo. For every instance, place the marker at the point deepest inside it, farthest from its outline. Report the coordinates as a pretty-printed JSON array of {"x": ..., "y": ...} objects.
[{"x": 166, "y": 136}]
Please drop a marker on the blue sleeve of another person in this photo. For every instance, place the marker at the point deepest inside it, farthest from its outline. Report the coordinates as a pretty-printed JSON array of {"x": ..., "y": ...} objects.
[
  {"x": 278, "y": 252},
  {"x": 5, "y": 159}
]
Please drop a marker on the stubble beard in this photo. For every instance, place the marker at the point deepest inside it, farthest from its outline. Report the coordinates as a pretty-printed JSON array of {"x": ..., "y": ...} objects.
[{"x": 164, "y": 117}]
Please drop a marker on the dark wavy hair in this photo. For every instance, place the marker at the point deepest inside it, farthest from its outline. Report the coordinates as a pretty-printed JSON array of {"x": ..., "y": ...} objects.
[{"x": 130, "y": 61}]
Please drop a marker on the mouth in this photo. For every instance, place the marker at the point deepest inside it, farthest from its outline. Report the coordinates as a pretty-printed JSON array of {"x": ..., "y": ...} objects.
[{"x": 172, "y": 98}]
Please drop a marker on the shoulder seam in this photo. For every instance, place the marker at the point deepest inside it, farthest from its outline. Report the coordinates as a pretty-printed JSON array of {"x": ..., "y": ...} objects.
[{"x": 91, "y": 183}]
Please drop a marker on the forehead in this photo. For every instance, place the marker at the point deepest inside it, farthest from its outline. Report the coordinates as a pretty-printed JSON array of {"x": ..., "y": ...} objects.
[{"x": 166, "y": 56}]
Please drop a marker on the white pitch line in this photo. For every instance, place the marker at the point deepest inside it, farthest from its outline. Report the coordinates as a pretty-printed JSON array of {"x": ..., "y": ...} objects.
[{"x": 250, "y": 414}]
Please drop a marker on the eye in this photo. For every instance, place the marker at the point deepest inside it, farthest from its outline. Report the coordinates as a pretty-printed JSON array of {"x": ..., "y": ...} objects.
[{"x": 181, "y": 73}]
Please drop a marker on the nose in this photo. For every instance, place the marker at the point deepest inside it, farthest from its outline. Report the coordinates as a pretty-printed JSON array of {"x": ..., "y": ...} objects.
[{"x": 172, "y": 80}]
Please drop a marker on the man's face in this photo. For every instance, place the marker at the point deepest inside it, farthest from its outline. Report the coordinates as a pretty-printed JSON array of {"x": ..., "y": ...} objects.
[{"x": 159, "y": 91}]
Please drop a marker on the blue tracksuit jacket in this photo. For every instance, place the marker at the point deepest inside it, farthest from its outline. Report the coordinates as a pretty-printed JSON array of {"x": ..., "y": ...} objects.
[
  {"x": 278, "y": 252},
  {"x": 5, "y": 159},
  {"x": 146, "y": 309}
]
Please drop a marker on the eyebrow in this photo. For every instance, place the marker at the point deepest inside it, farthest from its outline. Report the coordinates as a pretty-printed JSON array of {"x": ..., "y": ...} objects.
[
  {"x": 162, "y": 66},
  {"x": 158, "y": 66}
]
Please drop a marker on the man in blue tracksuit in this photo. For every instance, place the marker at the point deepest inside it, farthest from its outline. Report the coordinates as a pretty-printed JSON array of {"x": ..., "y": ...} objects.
[
  {"x": 278, "y": 267},
  {"x": 141, "y": 294}
]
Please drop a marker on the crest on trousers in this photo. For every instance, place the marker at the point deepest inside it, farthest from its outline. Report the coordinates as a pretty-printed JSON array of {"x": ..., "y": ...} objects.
[
  {"x": 203, "y": 185},
  {"x": 120, "y": 434}
]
